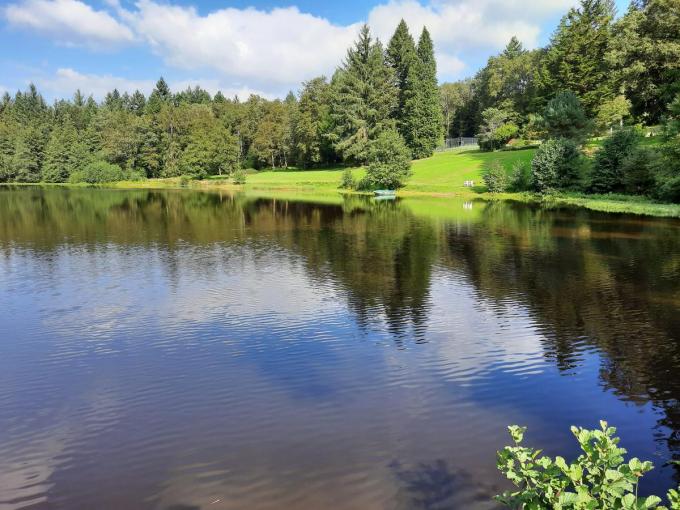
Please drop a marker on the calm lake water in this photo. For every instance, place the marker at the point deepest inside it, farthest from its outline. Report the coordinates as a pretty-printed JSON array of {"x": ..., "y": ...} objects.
[{"x": 183, "y": 350}]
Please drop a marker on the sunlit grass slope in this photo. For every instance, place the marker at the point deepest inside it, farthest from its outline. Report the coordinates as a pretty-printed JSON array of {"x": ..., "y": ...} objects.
[{"x": 445, "y": 172}]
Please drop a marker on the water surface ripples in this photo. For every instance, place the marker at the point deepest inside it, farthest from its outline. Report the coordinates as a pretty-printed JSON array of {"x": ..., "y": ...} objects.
[{"x": 183, "y": 351}]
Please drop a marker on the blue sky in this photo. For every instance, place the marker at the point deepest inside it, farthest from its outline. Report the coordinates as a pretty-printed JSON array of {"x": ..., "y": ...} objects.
[{"x": 241, "y": 46}]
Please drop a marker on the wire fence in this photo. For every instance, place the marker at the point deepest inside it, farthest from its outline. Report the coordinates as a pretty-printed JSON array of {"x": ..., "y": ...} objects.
[{"x": 461, "y": 141}]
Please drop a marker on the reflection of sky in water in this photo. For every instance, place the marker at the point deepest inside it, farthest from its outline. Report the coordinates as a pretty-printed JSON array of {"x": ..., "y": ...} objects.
[{"x": 225, "y": 376}]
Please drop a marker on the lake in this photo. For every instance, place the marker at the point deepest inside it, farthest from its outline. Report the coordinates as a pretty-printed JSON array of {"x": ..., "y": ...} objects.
[{"x": 184, "y": 350}]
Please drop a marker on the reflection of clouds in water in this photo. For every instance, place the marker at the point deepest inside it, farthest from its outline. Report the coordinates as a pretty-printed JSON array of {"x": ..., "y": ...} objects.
[
  {"x": 25, "y": 476},
  {"x": 473, "y": 336},
  {"x": 34, "y": 458},
  {"x": 275, "y": 285}
]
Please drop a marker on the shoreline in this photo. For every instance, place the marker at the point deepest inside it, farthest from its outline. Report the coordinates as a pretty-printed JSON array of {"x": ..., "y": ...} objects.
[{"x": 618, "y": 204}]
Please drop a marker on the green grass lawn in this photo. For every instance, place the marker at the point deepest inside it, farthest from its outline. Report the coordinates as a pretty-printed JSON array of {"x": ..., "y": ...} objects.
[
  {"x": 445, "y": 172},
  {"x": 441, "y": 176}
]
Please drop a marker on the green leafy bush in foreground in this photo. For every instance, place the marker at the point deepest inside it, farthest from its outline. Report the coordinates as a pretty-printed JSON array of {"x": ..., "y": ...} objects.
[{"x": 599, "y": 478}]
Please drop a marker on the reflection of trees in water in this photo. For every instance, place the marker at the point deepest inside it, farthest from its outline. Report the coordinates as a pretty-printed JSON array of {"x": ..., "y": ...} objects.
[
  {"x": 591, "y": 281},
  {"x": 379, "y": 253}
]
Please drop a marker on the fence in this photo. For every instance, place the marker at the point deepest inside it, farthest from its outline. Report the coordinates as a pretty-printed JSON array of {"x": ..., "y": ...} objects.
[{"x": 461, "y": 141}]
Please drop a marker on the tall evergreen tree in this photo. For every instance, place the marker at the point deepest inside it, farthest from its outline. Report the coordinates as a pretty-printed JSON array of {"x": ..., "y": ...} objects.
[
  {"x": 160, "y": 95},
  {"x": 422, "y": 115},
  {"x": 645, "y": 56},
  {"x": 59, "y": 152},
  {"x": 575, "y": 59},
  {"x": 364, "y": 98},
  {"x": 401, "y": 56}
]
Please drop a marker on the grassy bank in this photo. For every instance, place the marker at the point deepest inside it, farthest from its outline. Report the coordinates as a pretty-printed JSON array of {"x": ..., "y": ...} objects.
[{"x": 443, "y": 176}]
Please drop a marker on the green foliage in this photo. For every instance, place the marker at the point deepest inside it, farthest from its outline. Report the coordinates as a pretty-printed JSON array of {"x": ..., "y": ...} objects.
[
  {"x": 639, "y": 170},
  {"x": 98, "y": 172},
  {"x": 347, "y": 180},
  {"x": 422, "y": 111},
  {"x": 557, "y": 166},
  {"x": 511, "y": 80},
  {"x": 607, "y": 174},
  {"x": 364, "y": 99},
  {"x": 575, "y": 59},
  {"x": 459, "y": 107},
  {"x": 521, "y": 177},
  {"x": 644, "y": 56},
  {"x": 497, "y": 129},
  {"x": 239, "y": 177},
  {"x": 311, "y": 124},
  {"x": 495, "y": 177},
  {"x": 564, "y": 117},
  {"x": 599, "y": 478},
  {"x": 612, "y": 112},
  {"x": 389, "y": 162}
]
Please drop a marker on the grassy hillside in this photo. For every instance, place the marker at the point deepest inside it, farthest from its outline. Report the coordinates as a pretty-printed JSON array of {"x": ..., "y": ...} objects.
[
  {"x": 444, "y": 172},
  {"x": 442, "y": 176}
]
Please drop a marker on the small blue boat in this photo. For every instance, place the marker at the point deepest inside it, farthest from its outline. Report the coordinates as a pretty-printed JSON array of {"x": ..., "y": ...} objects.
[{"x": 385, "y": 193}]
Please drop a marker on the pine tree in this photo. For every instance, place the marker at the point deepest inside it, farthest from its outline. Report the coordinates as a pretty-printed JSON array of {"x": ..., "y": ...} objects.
[
  {"x": 160, "y": 95},
  {"x": 422, "y": 116},
  {"x": 575, "y": 59},
  {"x": 364, "y": 98},
  {"x": 401, "y": 56},
  {"x": 137, "y": 103},
  {"x": 28, "y": 155},
  {"x": 58, "y": 164}
]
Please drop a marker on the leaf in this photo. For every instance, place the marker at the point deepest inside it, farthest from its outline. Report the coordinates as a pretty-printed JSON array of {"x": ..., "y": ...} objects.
[
  {"x": 567, "y": 499},
  {"x": 652, "y": 501}
]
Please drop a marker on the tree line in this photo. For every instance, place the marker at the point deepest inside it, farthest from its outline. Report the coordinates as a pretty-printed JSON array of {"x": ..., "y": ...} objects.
[
  {"x": 625, "y": 69},
  {"x": 388, "y": 94},
  {"x": 598, "y": 76}
]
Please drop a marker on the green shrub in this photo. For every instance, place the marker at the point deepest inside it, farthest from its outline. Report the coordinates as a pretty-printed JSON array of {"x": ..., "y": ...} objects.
[
  {"x": 239, "y": 176},
  {"x": 98, "y": 172},
  {"x": 558, "y": 164},
  {"x": 347, "y": 180},
  {"x": 521, "y": 178},
  {"x": 639, "y": 169},
  {"x": 497, "y": 129},
  {"x": 199, "y": 174},
  {"x": 389, "y": 162},
  {"x": 495, "y": 177},
  {"x": 599, "y": 478},
  {"x": 669, "y": 189},
  {"x": 607, "y": 175},
  {"x": 564, "y": 117}
]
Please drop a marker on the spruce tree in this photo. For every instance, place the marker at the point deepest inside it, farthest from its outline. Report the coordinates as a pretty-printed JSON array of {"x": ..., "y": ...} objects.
[
  {"x": 576, "y": 60},
  {"x": 401, "y": 56},
  {"x": 364, "y": 98},
  {"x": 422, "y": 116},
  {"x": 58, "y": 153}
]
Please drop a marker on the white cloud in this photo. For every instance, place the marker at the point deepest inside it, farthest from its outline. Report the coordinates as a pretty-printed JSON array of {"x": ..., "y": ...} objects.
[
  {"x": 277, "y": 48},
  {"x": 460, "y": 28},
  {"x": 66, "y": 81},
  {"x": 244, "y": 50},
  {"x": 70, "y": 22}
]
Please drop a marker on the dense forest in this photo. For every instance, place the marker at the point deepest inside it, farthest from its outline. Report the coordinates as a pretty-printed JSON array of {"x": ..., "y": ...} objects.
[
  {"x": 375, "y": 90},
  {"x": 599, "y": 74}
]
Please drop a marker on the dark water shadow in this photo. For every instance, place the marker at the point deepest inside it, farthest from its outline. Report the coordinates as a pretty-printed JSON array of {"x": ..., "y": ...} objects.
[{"x": 435, "y": 486}]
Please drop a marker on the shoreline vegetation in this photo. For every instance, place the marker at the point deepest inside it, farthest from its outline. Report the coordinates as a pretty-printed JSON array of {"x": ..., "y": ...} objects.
[{"x": 437, "y": 178}]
